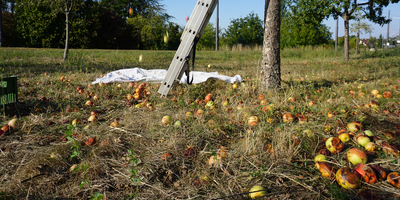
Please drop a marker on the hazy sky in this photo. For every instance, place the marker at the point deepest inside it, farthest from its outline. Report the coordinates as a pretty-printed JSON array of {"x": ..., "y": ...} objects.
[{"x": 231, "y": 9}]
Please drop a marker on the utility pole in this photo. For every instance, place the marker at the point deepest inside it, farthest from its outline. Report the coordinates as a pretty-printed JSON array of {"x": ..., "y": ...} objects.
[
  {"x": 387, "y": 43},
  {"x": 217, "y": 28},
  {"x": 1, "y": 27},
  {"x": 337, "y": 30}
]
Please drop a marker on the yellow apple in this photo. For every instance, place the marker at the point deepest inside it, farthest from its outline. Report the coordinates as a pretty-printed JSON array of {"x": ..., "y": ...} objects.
[{"x": 257, "y": 191}]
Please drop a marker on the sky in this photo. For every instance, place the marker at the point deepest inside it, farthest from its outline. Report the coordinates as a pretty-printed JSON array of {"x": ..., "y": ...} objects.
[{"x": 231, "y": 9}]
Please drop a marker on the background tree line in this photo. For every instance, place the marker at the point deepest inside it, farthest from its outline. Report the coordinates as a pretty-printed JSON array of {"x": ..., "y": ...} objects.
[{"x": 107, "y": 24}]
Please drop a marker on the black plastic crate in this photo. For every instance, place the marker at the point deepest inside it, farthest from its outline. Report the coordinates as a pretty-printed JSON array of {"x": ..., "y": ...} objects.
[{"x": 8, "y": 90}]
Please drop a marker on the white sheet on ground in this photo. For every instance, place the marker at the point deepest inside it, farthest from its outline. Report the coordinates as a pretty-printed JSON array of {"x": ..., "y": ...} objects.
[{"x": 158, "y": 75}]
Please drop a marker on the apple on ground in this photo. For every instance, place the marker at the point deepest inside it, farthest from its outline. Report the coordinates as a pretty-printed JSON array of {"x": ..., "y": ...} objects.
[
  {"x": 257, "y": 191},
  {"x": 356, "y": 156}
]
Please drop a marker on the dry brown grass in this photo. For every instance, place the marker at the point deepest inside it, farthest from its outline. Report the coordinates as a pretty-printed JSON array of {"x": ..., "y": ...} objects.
[{"x": 36, "y": 161}]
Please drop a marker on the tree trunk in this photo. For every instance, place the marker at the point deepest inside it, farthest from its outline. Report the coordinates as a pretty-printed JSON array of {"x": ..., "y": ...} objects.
[
  {"x": 271, "y": 62},
  {"x": 358, "y": 43},
  {"x": 1, "y": 27},
  {"x": 346, "y": 36},
  {"x": 66, "y": 35}
]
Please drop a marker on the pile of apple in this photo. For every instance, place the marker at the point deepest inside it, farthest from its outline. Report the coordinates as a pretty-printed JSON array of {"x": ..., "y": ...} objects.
[{"x": 351, "y": 177}]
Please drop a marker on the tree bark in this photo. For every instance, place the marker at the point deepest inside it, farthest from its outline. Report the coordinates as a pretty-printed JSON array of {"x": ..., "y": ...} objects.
[
  {"x": 346, "y": 18},
  {"x": 66, "y": 35},
  {"x": 271, "y": 62}
]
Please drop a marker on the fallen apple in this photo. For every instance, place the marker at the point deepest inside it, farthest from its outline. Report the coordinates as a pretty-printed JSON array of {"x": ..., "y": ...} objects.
[
  {"x": 92, "y": 118},
  {"x": 257, "y": 191},
  {"x": 334, "y": 145},
  {"x": 380, "y": 172},
  {"x": 344, "y": 137},
  {"x": 288, "y": 117},
  {"x": 214, "y": 160},
  {"x": 390, "y": 149},
  {"x": 348, "y": 178},
  {"x": 166, "y": 156},
  {"x": 352, "y": 127},
  {"x": 368, "y": 133},
  {"x": 366, "y": 173},
  {"x": 394, "y": 179},
  {"x": 356, "y": 156},
  {"x": 370, "y": 147},
  {"x": 374, "y": 92},
  {"x": 91, "y": 141},
  {"x": 114, "y": 124},
  {"x": 308, "y": 133},
  {"x": 253, "y": 120},
  {"x": 177, "y": 124},
  {"x": 208, "y": 97},
  {"x": 386, "y": 94},
  {"x": 326, "y": 169},
  {"x": 13, "y": 123},
  {"x": 5, "y": 128},
  {"x": 320, "y": 158},
  {"x": 222, "y": 152},
  {"x": 234, "y": 86},
  {"x": 166, "y": 120},
  {"x": 363, "y": 140},
  {"x": 199, "y": 113}
]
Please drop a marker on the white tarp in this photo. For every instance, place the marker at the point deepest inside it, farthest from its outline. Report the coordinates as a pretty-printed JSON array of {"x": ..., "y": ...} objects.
[{"x": 158, "y": 75}]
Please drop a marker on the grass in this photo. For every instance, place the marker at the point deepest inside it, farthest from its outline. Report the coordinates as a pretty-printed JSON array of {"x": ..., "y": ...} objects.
[{"x": 126, "y": 162}]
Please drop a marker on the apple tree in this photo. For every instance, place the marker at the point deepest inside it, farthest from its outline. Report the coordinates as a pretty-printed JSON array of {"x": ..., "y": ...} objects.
[
  {"x": 372, "y": 10},
  {"x": 360, "y": 26}
]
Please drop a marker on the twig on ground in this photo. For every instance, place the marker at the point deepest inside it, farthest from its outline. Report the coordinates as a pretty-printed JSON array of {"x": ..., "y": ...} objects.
[{"x": 123, "y": 130}]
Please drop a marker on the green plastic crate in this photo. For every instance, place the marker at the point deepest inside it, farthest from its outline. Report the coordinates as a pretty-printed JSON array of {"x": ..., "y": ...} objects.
[{"x": 8, "y": 90}]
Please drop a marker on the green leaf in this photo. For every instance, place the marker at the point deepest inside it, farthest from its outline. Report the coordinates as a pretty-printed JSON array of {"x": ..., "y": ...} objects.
[{"x": 97, "y": 196}]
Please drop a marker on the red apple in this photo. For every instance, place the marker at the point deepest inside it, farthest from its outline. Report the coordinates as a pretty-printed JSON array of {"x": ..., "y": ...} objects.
[
  {"x": 386, "y": 94},
  {"x": 208, "y": 97},
  {"x": 366, "y": 173},
  {"x": 166, "y": 156},
  {"x": 5, "y": 128}
]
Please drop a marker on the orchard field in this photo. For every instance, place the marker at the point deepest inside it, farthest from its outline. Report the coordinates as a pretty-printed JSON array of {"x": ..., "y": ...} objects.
[{"x": 77, "y": 140}]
